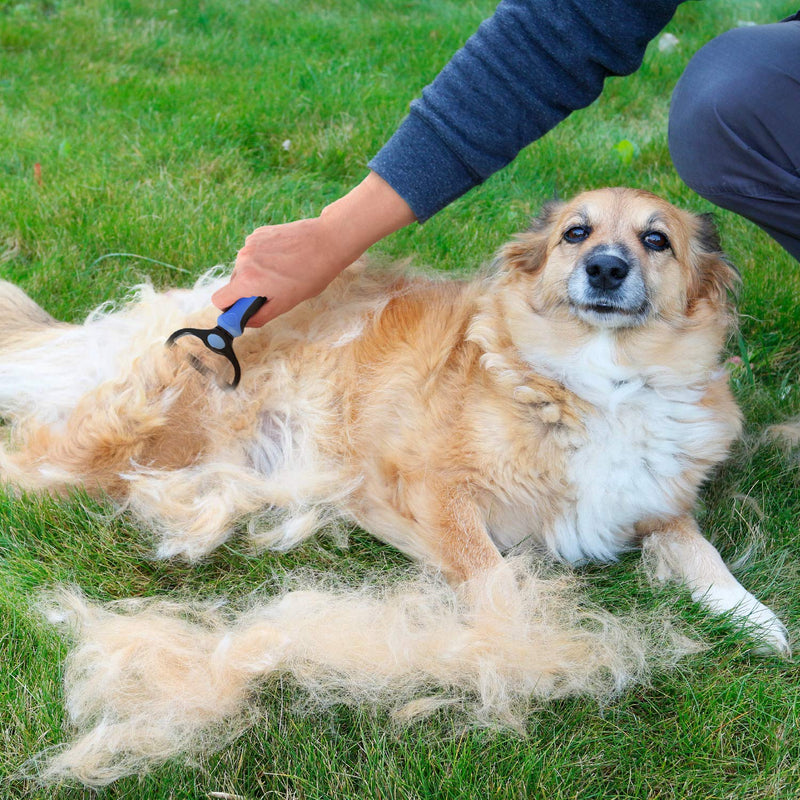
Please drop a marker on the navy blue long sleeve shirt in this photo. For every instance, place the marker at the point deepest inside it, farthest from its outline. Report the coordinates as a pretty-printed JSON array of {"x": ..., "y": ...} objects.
[{"x": 526, "y": 68}]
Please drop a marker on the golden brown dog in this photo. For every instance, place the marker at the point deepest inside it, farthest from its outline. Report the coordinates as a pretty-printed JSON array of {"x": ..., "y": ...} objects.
[{"x": 571, "y": 401}]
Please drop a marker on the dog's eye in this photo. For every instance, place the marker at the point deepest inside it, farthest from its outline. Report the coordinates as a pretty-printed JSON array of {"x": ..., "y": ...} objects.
[
  {"x": 654, "y": 240},
  {"x": 577, "y": 234}
]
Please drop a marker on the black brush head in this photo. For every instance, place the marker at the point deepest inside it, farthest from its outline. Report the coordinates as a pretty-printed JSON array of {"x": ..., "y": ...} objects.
[{"x": 220, "y": 342}]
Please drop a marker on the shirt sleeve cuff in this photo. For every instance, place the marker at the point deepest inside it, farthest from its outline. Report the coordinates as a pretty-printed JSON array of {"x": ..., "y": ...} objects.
[{"x": 422, "y": 169}]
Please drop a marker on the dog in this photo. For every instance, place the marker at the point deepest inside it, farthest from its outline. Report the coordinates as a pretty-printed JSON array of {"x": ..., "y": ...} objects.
[{"x": 570, "y": 401}]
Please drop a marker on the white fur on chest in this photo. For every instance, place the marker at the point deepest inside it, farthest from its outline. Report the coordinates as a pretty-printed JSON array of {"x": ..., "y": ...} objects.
[{"x": 635, "y": 452}]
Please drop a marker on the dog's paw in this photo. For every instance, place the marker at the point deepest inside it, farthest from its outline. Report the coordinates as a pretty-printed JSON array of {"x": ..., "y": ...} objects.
[
  {"x": 764, "y": 626},
  {"x": 751, "y": 614}
]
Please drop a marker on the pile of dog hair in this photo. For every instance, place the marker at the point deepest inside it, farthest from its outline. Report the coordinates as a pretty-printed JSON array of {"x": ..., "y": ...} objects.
[{"x": 148, "y": 680}]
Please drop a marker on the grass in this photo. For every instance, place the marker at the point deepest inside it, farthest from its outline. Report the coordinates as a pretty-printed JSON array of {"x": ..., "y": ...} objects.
[{"x": 169, "y": 130}]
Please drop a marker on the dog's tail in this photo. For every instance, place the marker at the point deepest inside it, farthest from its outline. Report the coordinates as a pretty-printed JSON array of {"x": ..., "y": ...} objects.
[
  {"x": 149, "y": 680},
  {"x": 22, "y": 320},
  {"x": 46, "y": 366},
  {"x": 27, "y": 356},
  {"x": 42, "y": 361},
  {"x": 81, "y": 398}
]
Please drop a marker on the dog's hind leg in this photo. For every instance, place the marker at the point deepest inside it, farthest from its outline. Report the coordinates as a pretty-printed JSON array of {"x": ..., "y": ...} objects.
[
  {"x": 150, "y": 417},
  {"x": 676, "y": 550},
  {"x": 109, "y": 430}
]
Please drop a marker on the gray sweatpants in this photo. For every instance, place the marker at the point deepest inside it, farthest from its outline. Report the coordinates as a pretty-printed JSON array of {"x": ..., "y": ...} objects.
[{"x": 734, "y": 128}]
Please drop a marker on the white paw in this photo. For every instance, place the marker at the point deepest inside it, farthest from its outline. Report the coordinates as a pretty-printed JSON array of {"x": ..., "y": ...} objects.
[{"x": 758, "y": 620}]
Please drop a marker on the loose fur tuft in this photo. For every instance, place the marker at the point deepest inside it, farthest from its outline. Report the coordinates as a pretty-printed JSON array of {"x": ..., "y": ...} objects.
[
  {"x": 787, "y": 433},
  {"x": 149, "y": 680}
]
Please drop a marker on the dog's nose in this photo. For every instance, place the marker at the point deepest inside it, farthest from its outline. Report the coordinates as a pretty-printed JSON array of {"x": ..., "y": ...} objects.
[{"x": 606, "y": 271}]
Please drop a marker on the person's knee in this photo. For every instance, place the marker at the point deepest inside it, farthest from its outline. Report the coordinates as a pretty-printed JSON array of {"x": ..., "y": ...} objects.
[{"x": 718, "y": 106}]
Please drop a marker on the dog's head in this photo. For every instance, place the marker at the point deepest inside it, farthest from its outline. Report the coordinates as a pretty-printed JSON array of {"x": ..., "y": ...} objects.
[{"x": 620, "y": 259}]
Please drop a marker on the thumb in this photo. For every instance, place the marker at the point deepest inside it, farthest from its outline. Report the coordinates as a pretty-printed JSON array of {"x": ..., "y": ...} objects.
[{"x": 225, "y": 297}]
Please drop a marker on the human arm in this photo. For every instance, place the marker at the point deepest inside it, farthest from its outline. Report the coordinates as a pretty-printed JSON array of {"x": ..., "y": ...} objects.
[{"x": 526, "y": 68}]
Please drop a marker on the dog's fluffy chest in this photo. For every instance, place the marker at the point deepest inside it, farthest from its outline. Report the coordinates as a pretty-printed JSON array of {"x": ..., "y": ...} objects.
[
  {"x": 634, "y": 464},
  {"x": 638, "y": 453}
]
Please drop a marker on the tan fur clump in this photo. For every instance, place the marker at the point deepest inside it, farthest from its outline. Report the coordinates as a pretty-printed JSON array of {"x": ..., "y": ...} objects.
[
  {"x": 149, "y": 680},
  {"x": 787, "y": 433}
]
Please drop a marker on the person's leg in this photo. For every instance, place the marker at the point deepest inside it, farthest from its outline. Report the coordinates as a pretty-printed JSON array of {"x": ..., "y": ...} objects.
[{"x": 734, "y": 130}]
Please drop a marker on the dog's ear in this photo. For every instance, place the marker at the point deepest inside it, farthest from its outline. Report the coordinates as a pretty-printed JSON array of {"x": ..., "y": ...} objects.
[
  {"x": 713, "y": 278},
  {"x": 527, "y": 251}
]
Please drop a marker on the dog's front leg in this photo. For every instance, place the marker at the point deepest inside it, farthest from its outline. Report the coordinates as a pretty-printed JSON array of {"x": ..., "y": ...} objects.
[
  {"x": 465, "y": 548},
  {"x": 435, "y": 522},
  {"x": 676, "y": 550},
  {"x": 457, "y": 542}
]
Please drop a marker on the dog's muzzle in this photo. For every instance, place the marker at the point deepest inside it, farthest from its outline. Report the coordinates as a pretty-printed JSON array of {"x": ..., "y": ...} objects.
[{"x": 606, "y": 288}]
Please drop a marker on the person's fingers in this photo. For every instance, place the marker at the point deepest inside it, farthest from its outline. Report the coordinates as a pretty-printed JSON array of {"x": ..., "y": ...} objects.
[{"x": 227, "y": 296}]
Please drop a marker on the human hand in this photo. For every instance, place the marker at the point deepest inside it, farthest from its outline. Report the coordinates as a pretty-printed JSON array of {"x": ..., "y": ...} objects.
[
  {"x": 295, "y": 261},
  {"x": 285, "y": 263}
]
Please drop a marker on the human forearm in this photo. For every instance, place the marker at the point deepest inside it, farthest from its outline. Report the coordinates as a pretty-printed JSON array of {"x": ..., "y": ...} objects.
[{"x": 365, "y": 215}]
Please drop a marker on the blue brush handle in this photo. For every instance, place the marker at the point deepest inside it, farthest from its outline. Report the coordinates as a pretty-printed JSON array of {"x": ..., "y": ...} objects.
[{"x": 234, "y": 319}]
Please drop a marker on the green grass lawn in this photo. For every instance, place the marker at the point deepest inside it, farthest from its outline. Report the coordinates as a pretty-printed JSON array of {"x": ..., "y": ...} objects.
[{"x": 169, "y": 130}]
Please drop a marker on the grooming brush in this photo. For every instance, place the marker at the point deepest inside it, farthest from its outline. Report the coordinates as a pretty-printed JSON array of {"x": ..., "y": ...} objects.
[{"x": 219, "y": 339}]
